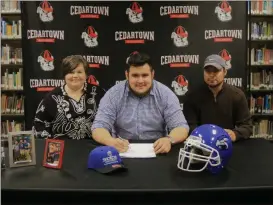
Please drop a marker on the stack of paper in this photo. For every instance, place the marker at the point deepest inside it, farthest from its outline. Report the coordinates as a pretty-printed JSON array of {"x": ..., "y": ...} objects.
[{"x": 139, "y": 150}]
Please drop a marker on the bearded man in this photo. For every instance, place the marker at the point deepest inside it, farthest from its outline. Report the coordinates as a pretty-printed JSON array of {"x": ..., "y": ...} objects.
[{"x": 216, "y": 102}]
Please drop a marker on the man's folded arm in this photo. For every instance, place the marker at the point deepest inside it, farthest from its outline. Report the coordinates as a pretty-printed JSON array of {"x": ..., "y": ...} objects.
[{"x": 243, "y": 122}]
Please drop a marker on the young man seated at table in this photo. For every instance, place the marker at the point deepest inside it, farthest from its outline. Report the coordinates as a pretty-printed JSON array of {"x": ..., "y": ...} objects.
[
  {"x": 139, "y": 108},
  {"x": 216, "y": 102}
]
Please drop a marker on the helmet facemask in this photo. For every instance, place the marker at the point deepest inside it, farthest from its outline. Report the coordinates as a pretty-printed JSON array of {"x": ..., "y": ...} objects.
[{"x": 197, "y": 156}]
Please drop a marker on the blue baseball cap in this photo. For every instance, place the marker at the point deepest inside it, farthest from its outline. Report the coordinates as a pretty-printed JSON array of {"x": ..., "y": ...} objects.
[{"x": 105, "y": 159}]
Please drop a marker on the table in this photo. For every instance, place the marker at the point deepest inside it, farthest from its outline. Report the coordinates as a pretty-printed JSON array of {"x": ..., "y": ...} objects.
[{"x": 249, "y": 173}]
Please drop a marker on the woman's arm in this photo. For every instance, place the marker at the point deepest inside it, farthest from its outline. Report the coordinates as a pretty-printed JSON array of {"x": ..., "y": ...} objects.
[{"x": 44, "y": 116}]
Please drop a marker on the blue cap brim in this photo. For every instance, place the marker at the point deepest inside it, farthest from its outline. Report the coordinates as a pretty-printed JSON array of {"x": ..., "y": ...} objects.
[{"x": 111, "y": 169}]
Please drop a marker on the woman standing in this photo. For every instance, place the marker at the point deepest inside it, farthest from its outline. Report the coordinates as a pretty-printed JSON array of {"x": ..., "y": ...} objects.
[{"x": 68, "y": 111}]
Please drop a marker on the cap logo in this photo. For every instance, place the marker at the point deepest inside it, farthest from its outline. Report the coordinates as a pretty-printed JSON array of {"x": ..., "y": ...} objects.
[{"x": 110, "y": 159}]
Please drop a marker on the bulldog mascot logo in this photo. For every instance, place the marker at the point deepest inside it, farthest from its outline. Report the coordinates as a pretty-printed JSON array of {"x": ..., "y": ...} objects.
[
  {"x": 46, "y": 61},
  {"x": 135, "y": 13},
  {"x": 90, "y": 37},
  {"x": 223, "y": 11},
  {"x": 180, "y": 37},
  {"x": 180, "y": 85},
  {"x": 92, "y": 80},
  {"x": 227, "y": 57},
  {"x": 45, "y": 11}
]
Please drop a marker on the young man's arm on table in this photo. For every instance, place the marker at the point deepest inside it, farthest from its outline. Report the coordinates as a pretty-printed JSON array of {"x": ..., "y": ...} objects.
[
  {"x": 179, "y": 134},
  {"x": 176, "y": 122},
  {"x": 103, "y": 124}
]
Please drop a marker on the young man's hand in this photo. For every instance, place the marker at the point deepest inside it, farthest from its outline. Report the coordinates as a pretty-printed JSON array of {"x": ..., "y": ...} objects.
[
  {"x": 162, "y": 145},
  {"x": 122, "y": 145}
]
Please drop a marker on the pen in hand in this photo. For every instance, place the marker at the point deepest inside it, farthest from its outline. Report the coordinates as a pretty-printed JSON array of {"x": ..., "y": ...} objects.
[
  {"x": 122, "y": 144},
  {"x": 120, "y": 137},
  {"x": 127, "y": 142}
]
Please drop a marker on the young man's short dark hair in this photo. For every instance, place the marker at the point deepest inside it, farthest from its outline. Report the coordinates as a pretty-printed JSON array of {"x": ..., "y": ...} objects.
[
  {"x": 138, "y": 59},
  {"x": 69, "y": 63}
]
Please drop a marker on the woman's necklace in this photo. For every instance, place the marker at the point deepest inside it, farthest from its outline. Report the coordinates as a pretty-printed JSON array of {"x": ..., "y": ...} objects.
[{"x": 76, "y": 95}]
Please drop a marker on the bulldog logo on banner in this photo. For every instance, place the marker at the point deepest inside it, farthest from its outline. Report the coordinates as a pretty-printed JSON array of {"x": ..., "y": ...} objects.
[
  {"x": 226, "y": 56},
  {"x": 135, "y": 13},
  {"x": 46, "y": 61},
  {"x": 180, "y": 37},
  {"x": 180, "y": 85},
  {"x": 45, "y": 11},
  {"x": 90, "y": 37},
  {"x": 223, "y": 11},
  {"x": 92, "y": 80}
]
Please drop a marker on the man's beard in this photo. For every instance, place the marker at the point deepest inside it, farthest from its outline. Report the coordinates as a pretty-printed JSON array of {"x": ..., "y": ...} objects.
[
  {"x": 216, "y": 85},
  {"x": 140, "y": 95}
]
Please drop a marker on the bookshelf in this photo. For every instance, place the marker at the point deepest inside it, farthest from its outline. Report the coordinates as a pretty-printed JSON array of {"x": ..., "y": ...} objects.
[
  {"x": 260, "y": 67},
  {"x": 12, "y": 93}
]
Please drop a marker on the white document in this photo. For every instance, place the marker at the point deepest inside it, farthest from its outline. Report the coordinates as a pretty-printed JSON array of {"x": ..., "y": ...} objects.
[{"x": 139, "y": 150}]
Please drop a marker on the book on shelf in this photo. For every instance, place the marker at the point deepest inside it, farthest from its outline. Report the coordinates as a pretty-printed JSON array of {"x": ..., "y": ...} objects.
[
  {"x": 261, "y": 7},
  {"x": 3, "y": 155},
  {"x": 11, "y": 29},
  {"x": 12, "y": 104},
  {"x": 261, "y": 104},
  {"x": 11, "y": 126},
  {"x": 261, "y": 80},
  {"x": 11, "y": 55},
  {"x": 263, "y": 129},
  {"x": 261, "y": 30},
  {"x": 10, "y": 6},
  {"x": 12, "y": 80},
  {"x": 261, "y": 56}
]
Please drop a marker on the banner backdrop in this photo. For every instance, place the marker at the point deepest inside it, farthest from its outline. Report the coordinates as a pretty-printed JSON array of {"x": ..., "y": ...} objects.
[{"x": 177, "y": 35}]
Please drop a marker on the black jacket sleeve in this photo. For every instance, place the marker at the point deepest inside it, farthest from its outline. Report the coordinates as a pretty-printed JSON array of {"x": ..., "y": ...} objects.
[
  {"x": 243, "y": 122},
  {"x": 191, "y": 112}
]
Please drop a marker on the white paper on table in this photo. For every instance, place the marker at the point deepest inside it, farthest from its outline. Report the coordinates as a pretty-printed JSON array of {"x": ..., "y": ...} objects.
[{"x": 139, "y": 150}]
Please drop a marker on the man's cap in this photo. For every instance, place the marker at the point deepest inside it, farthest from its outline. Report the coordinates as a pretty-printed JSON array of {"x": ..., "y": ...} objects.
[
  {"x": 215, "y": 61},
  {"x": 105, "y": 159}
]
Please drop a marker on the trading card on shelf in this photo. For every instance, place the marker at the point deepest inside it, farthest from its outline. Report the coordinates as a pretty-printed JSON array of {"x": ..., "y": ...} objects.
[
  {"x": 21, "y": 146},
  {"x": 53, "y": 154}
]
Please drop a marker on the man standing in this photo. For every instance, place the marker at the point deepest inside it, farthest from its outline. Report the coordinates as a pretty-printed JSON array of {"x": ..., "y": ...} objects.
[
  {"x": 140, "y": 108},
  {"x": 216, "y": 102}
]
